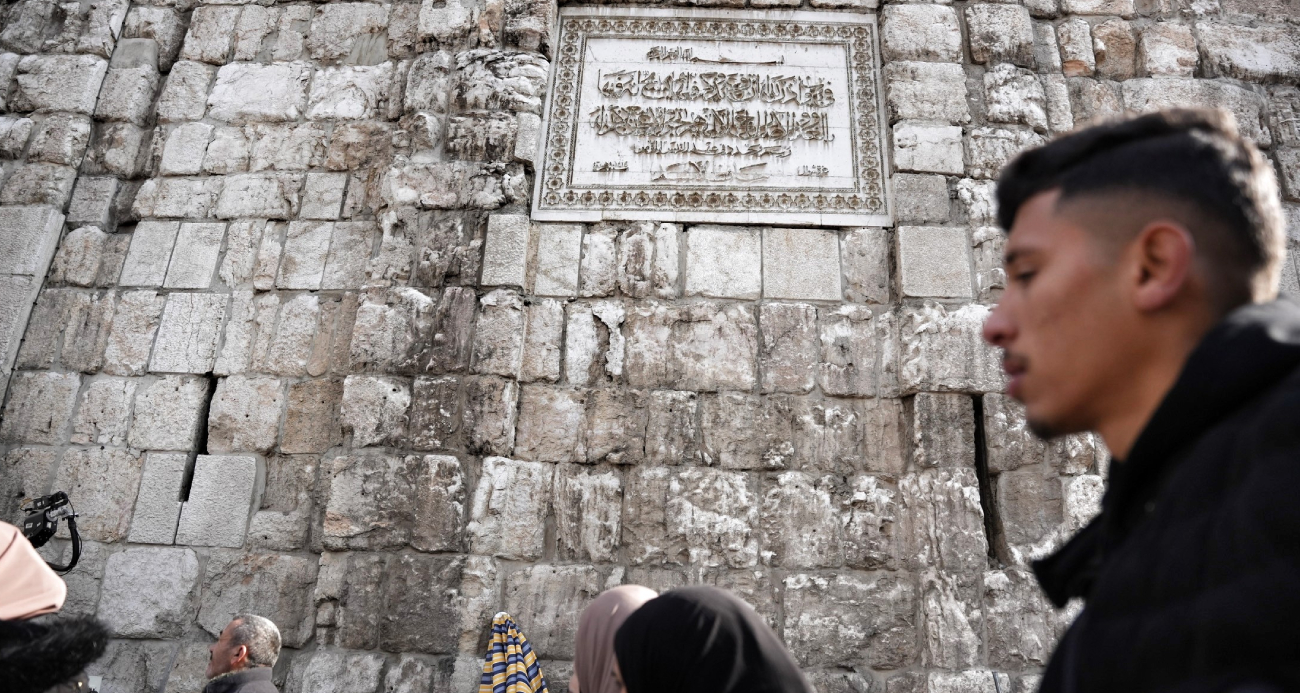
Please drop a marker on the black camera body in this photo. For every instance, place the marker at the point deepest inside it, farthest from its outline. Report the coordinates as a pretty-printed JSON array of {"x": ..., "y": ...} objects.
[{"x": 42, "y": 521}]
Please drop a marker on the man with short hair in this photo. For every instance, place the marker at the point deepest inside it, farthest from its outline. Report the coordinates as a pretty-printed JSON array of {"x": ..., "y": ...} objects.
[
  {"x": 240, "y": 660},
  {"x": 1142, "y": 260}
]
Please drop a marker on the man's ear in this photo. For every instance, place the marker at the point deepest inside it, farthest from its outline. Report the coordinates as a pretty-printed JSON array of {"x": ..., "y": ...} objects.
[
  {"x": 1164, "y": 252},
  {"x": 241, "y": 655}
]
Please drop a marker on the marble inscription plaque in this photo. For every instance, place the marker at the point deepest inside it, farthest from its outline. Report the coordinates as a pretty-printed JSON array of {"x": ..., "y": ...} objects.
[{"x": 713, "y": 115}]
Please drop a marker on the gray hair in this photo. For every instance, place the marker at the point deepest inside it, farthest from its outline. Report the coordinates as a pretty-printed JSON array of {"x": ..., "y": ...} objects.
[{"x": 260, "y": 636}]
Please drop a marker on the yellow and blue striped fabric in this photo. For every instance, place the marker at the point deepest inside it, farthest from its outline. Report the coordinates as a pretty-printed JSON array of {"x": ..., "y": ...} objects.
[{"x": 510, "y": 665}]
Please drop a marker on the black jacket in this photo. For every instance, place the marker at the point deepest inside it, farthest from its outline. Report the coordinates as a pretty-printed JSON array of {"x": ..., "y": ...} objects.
[
  {"x": 1191, "y": 573},
  {"x": 255, "y": 680}
]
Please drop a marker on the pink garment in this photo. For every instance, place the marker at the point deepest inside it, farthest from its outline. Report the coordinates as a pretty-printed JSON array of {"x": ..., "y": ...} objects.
[
  {"x": 27, "y": 585},
  {"x": 593, "y": 657}
]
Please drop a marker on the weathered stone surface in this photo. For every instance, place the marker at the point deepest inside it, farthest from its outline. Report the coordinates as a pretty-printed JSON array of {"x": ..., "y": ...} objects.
[
  {"x": 103, "y": 414},
  {"x": 135, "y": 323},
  {"x": 864, "y": 258},
  {"x": 943, "y": 430},
  {"x": 543, "y": 335},
  {"x": 868, "y": 518},
  {"x": 375, "y": 409},
  {"x": 127, "y": 92},
  {"x": 494, "y": 80},
  {"x": 61, "y": 138},
  {"x": 58, "y": 83},
  {"x": 194, "y": 259},
  {"x": 188, "y": 333},
  {"x": 323, "y": 197},
  {"x": 723, "y": 262},
  {"x": 1015, "y": 96},
  {"x": 1001, "y": 34},
  {"x": 1264, "y": 54},
  {"x": 78, "y": 258},
  {"x": 615, "y": 426},
  {"x": 845, "y": 435},
  {"x": 920, "y": 32},
  {"x": 691, "y": 515},
  {"x": 249, "y": 92},
  {"x": 158, "y": 505},
  {"x": 927, "y": 91},
  {"x": 789, "y": 353},
  {"x": 39, "y": 184},
  {"x": 928, "y": 148},
  {"x": 934, "y": 261},
  {"x": 671, "y": 427},
  {"x": 183, "y": 153},
  {"x": 559, "y": 247},
  {"x": 220, "y": 502},
  {"x": 1247, "y": 106},
  {"x": 14, "y": 133},
  {"x": 940, "y": 522},
  {"x": 39, "y": 408},
  {"x": 556, "y": 596},
  {"x": 329, "y": 670},
  {"x": 382, "y": 501},
  {"x": 1115, "y": 49},
  {"x": 850, "y": 349},
  {"x": 350, "y": 92},
  {"x": 988, "y": 149},
  {"x": 801, "y": 520},
  {"x": 740, "y": 431},
  {"x": 104, "y": 482},
  {"x": 499, "y": 334},
  {"x": 27, "y": 474},
  {"x": 952, "y": 621},
  {"x": 129, "y": 665},
  {"x": 435, "y": 413},
  {"x": 1022, "y": 626},
  {"x": 184, "y": 95},
  {"x": 510, "y": 503},
  {"x": 1120, "y": 7},
  {"x": 850, "y": 619},
  {"x": 1075, "y": 38},
  {"x": 149, "y": 592},
  {"x": 420, "y": 601},
  {"x": 505, "y": 260},
  {"x": 917, "y": 198},
  {"x": 551, "y": 424},
  {"x": 338, "y": 32},
  {"x": 648, "y": 260},
  {"x": 245, "y": 414},
  {"x": 588, "y": 506},
  {"x": 801, "y": 264},
  {"x": 275, "y": 586},
  {"x": 491, "y": 406},
  {"x": 1032, "y": 510},
  {"x": 1092, "y": 99},
  {"x": 281, "y": 521},
  {"x": 167, "y": 413}
]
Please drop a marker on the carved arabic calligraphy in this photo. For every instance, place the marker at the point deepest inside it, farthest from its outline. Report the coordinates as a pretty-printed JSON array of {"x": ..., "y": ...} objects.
[
  {"x": 817, "y": 171},
  {"x": 657, "y": 121},
  {"x": 686, "y": 54},
  {"x": 704, "y": 171},
  {"x": 609, "y": 166},
  {"x": 714, "y": 87},
  {"x": 709, "y": 148}
]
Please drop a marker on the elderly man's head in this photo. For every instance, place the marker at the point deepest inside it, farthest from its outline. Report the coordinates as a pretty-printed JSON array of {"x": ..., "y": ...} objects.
[{"x": 248, "y": 641}]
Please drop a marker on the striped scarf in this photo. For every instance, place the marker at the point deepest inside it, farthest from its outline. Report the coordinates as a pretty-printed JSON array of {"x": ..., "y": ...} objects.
[{"x": 510, "y": 665}]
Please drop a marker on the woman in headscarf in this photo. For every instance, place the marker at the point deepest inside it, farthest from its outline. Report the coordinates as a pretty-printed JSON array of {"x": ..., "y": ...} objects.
[
  {"x": 703, "y": 640},
  {"x": 593, "y": 657}
]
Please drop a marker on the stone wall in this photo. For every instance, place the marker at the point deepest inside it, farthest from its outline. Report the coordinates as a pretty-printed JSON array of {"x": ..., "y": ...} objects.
[{"x": 295, "y": 346}]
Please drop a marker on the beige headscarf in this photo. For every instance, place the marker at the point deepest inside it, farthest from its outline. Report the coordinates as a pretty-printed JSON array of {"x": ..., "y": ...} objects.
[
  {"x": 593, "y": 657},
  {"x": 27, "y": 585}
]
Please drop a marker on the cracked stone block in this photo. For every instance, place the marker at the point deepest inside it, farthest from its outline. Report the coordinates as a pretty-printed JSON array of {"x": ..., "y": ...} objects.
[
  {"x": 499, "y": 80},
  {"x": 220, "y": 502},
  {"x": 835, "y": 620},
  {"x": 210, "y": 35},
  {"x": 724, "y": 262},
  {"x": 39, "y": 407},
  {"x": 926, "y": 91},
  {"x": 168, "y": 413},
  {"x": 135, "y": 322},
  {"x": 499, "y": 334},
  {"x": 1248, "y": 107},
  {"x": 846, "y": 435},
  {"x": 385, "y": 501},
  {"x": 801, "y": 264},
  {"x": 375, "y": 409},
  {"x": 648, "y": 260},
  {"x": 1015, "y": 96},
  {"x": 952, "y": 624},
  {"x": 39, "y": 184},
  {"x": 554, "y": 596},
  {"x": 928, "y": 148},
  {"x": 1001, "y": 34},
  {"x": 1075, "y": 38},
  {"x": 61, "y": 138},
  {"x": 943, "y": 430},
  {"x": 615, "y": 426},
  {"x": 119, "y": 149},
  {"x": 245, "y": 414},
  {"x": 789, "y": 353},
  {"x": 194, "y": 258},
  {"x": 543, "y": 335},
  {"x": 351, "y": 92},
  {"x": 1166, "y": 49},
  {"x": 311, "y": 423},
  {"x": 228, "y": 152},
  {"x": 1022, "y": 625},
  {"x": 58, "y": 83},
  {"x": 850, "y": 348},
  {"x": 555, "y": 269},
  {"x": 740, "y": 431},
  {"x": 183, "y": 153},
  {"x": 247, "y": 92},
  {"x": 149, "y": 592},
  {"x": 275, "y": 586},
  {"x": 1115, "y": 49},
  {"x": 940, "y": 521},
  {"x": 323, "y": 196},
  {"x": 1082, "y": 500},
  {"x": 934, "y": 261},
  {"x": 599, "y": 270},
  {"x": 103, "y": 482},
  {"x": 334, "y": 671},
  {"x": 188, "y": 334},
  {"x": 92, "y": 202},
  {"x": 158, "y": 505},
  {"x": 510, "y": 504},
  {"x": 176, "y": 197},
  {"x": 588, "y": 506},
  {"x": 104, "y": 412},
  {"x": 988, "y": 149},
  {"x": 306, "y": 249},
  {"x": 920, "y": 198},
  {"x": 259, "y": 195},
  {"x": 691, "y": 516},
  {"x": 435, "y": 413},
  {"x": 801, "y": 521},
  {"x": 864, "y": 255},
  {"x": 505, "y": 252},
  {"x": 551, "y": 424},
  {"x": 184, "y": 94},
  {"x": 920, "y": 32},
  {"x": 127, "y": 92}
]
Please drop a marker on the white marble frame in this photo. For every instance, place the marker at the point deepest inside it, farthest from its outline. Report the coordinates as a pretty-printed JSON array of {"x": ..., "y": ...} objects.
[{"x": 879, "y": 215}]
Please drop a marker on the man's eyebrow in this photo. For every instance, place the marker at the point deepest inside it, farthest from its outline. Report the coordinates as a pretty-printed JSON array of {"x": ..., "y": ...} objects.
[{"x": 1010, "y": 256}]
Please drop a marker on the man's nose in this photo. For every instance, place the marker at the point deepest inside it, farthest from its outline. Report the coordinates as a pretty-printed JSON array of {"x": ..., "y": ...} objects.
[{"x": 998, "y": 327}]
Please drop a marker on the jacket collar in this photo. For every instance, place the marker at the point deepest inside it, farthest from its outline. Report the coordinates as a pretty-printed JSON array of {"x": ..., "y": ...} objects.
[{"x": 231, "y": 681}]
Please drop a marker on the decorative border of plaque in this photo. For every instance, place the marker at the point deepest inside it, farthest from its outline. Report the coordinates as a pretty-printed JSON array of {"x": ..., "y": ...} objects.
[{"x": 864, "y": 203}]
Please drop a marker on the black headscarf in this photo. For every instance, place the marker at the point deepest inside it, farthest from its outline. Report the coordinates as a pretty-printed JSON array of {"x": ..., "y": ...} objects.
[{"x": 703, "y": 640}]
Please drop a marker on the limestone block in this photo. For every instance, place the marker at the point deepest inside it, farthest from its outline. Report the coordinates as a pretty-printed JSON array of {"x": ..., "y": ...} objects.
[
  {"x": 194, "y": 259},
  {"x": 554, "y": 596},
  {"x": 58, "y": 83},
  {"x": 499, "y": 334},
  {"x": 939, "y": 350},
  {"x": 28, "y": 237},
  {"x": 926, "y": 91},
  {"x": 135, "y": 323},
  {"x": 48, "y": 318},
  {"x": 444, "y": 185},
  {"x": 713, "y": 347},
  {"x": 864, "y": 258},
  {"x": 920, "y": 198},
  {"x": 311, "y": 423},
  {"x": 594, "y": 347},
  {"x": 1075, "y": 38},
  {"x": 381, "y": 501},
  {"x": 671, "y": 429},
  {"x": 555, "y": 269},
  {"x": 1247, "y": 106},
  {"x": 505, "y": 253},
  {"x": 306, "y": 248},
  {"x": 789, "y": 353},
  {"x": 188, "y": 333},
  {"x": 184, "y": 95},
  {"x": 1093, "y": 99},
  {"x": 406, "y": 330},
  {"x": 92, "y": 202},
  {"x": 740, "y": 431},
  {"x": 210, "y": 35},
  {"x": 103, "y": 414},
  {"x": 350, "y": 246},
  {"x": 801, "y": 264},
  {"x": 335, "y": 671},
  {"x": 834, "y": 620},
  {"x": 119, "y": 149},
  {"x": 323, "y": 195},
  {"x": 39, "y": 184},
  {"x": 588, "y": 506},
  {"x": 435, "y": 413},
  {"x": 158, "y": 505},
  {"x": 928, "y": 148},
  {"x": 251, "y": 92},
  {"x": 271, "y": 585},
  {"x": 61, "y": 138},
  {"x": 920, "y": 32},
  {"x": 14, "y": 133},
  {"x": 39, "y": 407},
  {"x": 952, "y": 623},
  {"x": 989, "y": 149},
  {"x": 183, "y": 153},
  {"x": 1009, "y": 443},
  {"x": 339, "y": 30},
  {"x": 695, "y": 515},
  {"x": 648, "y": 260},
  {"x": 127, "y": 93},
  {"x": 1060, "y": 115},
  {"x": 429, "y": 82},
  {"x": 27, "y": 474},
  {"x": 1123, "y": 8},
  {"x": 1264, "y": 54},
  {"x": 850, "y": 349},
  {"x": 149, "y": 592},
  {"x": 1047, "y": 53},
  {"x": 844, "y": 435},
  {"x": 1022, "y": 626},
  {"x": 934, "y": 261},
  {"x": 1166, "y": 49},
  {"x": 942, "y": 430},
  {"x": 1115, "y": 49},
  {"x": 167, "y": 413},
  {"x": 445, "y": 23},
  {"x": 869, "y": 538},
  {"x": 355, "y": 93},
  {"x": 969, "y": 681},
  {"x": 551, "y": 422},
  {"x": 940, "y": 521},
  {"x": 375, "y": 409},
  {"x": 285, "y": 147},
  {"x": 801, "y": 522},
  {"x": 544, "y": 331},
  {"x": 1001, "y": 34},
  {"x": 1031, "y": 508},
  {"x": 489, "y": 137},
  {"x": 176, "y": 197},
  {"x": 1288, "y": 165},
  {"x": 496, "y": 80},
  {"x": 510, "y": 504},
  {"x": 103, "y": 482},
  {"x": 245, "y": 414},
  {"x": 1015, "y": 96},
  {"x": 228, "y": 152},
  {"x": 599, "y": 270},
  {"x": 528, "y": 135},
  {"x": 614, "y": 427},
  {"x": 420, "y": 603},
  {"x": 162, "y": 24},
  {"x": 222, "y": 494},
  {"x": 259, "y": 195},
  {"x": 723, "y": 262}
]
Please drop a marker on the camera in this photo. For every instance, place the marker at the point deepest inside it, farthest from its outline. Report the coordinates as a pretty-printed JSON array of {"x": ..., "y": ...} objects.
[{"x": 42, "y": 521}]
